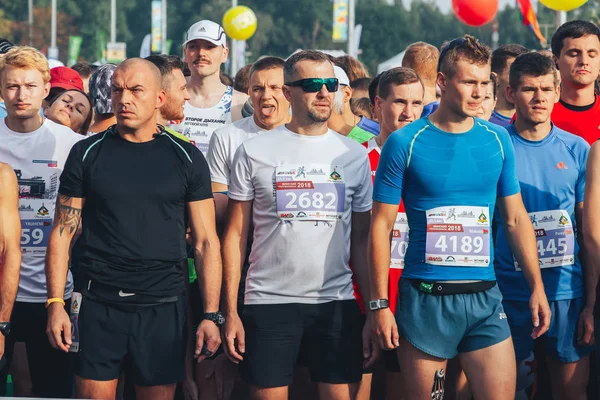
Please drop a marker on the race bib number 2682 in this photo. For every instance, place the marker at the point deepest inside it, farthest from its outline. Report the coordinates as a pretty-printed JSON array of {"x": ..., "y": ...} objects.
[{"x": 311, "y": 192}]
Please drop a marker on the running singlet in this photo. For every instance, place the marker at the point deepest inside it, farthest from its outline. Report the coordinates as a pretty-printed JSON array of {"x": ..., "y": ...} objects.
[
  {"x": 38, "y": 159},
  {"x": 500, "y": 119},
  {"x": 581, "y": 121},
  {"x": 399, "y": 235},
  {"x": 134, "y": 218},
  {"x": 304, "y": 190},
  {"x": 552, "y": 177},
  {"x": 449, "y": 184},
  {"x": 200, "y": 123}
]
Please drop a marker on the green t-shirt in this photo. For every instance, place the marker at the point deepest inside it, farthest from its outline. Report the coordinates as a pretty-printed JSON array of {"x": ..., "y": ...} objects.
[{"x": 360, "y": 135}]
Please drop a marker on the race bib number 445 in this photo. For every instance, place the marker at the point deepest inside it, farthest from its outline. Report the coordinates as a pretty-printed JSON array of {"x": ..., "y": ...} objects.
[
  {"x": 458, "y": 236},
  {"x": 312, "y": 192},
  {"x": 555, "y": 238}
]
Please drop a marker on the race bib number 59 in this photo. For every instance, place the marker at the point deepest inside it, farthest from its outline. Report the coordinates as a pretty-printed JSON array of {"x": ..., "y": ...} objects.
[
  {"x": 312, "y": 192},
  {"x": 34, "y": 235},
  {"x": 458, "y": 236}
]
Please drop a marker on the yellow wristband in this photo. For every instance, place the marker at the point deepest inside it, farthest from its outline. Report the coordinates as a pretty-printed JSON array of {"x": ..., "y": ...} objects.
[{"x": 55, "y": 300}]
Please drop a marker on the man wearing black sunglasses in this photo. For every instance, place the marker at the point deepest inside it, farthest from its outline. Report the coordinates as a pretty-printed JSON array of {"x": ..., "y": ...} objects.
[
  {"x": 450, "y": 169},
  {"x": 306, "y": 227}
]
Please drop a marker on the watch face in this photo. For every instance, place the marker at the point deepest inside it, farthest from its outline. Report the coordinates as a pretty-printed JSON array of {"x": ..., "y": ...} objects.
[{"x": 220, "y": 319}]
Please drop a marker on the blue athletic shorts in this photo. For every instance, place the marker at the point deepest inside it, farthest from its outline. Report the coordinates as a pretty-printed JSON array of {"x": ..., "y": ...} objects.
[
  {"x": 560, "y": 342},
  {"x": 444, "y": 326}
]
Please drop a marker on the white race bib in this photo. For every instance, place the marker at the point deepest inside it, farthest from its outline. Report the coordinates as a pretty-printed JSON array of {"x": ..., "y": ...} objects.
[
  {"x": 555, "y": 238},
  {"x": 312, "y": 192},
  {"x": 458, "y": 236}
]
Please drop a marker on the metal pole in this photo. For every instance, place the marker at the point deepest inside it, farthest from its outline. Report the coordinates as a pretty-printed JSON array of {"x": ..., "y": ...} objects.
[
  {"x": 30, "y": 19},
  {"x": 53, "y": 50},
  {"x": 164, "y": 27},
  {"x": 234, "y": 49},
  {"x": 351, "y": 12},
  {"x": 113, "y": 21},
  {"x": 561, "y": 18}
]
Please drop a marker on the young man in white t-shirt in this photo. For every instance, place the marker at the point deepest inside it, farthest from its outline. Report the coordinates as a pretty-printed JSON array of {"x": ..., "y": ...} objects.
[
  {"x": 36, "y": 148},
  {"x": 212, "y": 103},
  {"x": 308, "y": 190}
]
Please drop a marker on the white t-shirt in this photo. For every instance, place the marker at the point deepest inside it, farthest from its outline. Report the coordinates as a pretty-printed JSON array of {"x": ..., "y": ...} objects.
[
  {"x": 304, "y": 189},
  {"x": 199, "y": 123},
  {"x": 223, "y": 145},
  {"x": 38, "y": 159}
]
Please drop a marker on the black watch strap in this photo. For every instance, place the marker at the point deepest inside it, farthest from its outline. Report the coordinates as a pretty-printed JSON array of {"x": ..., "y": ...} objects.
[
  {"x": 217, "y": 317},
  {"x": 5, "y": 328}
]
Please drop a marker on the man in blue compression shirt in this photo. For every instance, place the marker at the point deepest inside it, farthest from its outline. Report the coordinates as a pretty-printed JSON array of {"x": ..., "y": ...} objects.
[
  {"x": 448, "y": 302},
  {"x": 550, "y": 165}
]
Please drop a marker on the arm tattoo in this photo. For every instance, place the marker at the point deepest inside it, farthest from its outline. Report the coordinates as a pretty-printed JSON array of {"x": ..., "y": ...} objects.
[{"x": 68, "y": 217}]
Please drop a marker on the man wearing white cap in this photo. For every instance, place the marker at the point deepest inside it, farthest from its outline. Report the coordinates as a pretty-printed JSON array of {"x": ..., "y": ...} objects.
[
  {"x": 212, "y": 104},
  {"x": 342, "y": 120}
]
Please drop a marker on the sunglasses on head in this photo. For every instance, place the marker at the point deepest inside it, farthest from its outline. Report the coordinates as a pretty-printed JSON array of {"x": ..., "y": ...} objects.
[
  {"x": 451, "y": 45},
  {"x": 314, "y": 85}
]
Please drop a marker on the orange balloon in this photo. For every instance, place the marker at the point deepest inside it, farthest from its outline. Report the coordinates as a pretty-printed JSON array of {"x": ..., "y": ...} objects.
[{"x": 475, "y": 12}]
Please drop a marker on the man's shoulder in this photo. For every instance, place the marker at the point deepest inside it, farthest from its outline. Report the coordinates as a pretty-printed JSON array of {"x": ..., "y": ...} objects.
[
  {"x": 176, "y": 134},
  {"x": 574, "y": 142},
  {"x": 240, "y": 127},
  {"x": 63, "y": 134}
]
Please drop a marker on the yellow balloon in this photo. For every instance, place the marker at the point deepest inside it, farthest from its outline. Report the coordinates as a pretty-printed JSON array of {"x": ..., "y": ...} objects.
[
  {"x": 563, "y": 5},
  {"x": 239, "y": 23}
]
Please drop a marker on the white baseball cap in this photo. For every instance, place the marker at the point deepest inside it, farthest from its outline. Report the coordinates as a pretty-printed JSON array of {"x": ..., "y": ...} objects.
[
  {"x": 341, "y": 76},
  {"x": 207, "y": 30}
]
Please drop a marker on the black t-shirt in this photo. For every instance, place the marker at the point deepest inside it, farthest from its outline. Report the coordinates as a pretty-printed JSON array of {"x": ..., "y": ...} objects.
[{"x": 134, "y": 217}]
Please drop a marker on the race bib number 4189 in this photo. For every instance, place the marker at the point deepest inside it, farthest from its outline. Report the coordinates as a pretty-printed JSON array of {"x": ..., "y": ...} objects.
[
  {"x": 312, "y": 192},
  {"x": 458, "y": 236}
]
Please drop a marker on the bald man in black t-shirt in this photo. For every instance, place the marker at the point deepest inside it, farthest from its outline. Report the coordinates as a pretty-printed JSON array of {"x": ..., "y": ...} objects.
[{"x": 133, "y": 187}]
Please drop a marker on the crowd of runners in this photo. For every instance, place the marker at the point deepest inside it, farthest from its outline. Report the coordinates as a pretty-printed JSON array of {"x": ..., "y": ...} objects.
[{"x": 305, "y": 231}]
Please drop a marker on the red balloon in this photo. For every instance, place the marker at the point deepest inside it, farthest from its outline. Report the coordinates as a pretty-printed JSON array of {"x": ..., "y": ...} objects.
[{"x": 475, "y": 12}]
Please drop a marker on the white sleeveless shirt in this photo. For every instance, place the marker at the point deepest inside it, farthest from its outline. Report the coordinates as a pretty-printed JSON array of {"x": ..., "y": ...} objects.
[{"x": 200, "y": 123}]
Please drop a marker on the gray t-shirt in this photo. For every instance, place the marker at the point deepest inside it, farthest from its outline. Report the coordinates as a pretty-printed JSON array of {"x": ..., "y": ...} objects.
[{"x": 304, "y": 190}]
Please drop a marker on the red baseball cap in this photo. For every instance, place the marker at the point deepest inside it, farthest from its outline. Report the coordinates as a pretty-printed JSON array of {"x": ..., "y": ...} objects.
[{"x": 66, "y": 78}]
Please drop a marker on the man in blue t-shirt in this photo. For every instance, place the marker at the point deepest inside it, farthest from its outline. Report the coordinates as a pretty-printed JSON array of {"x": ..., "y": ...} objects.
[
  {"x": 502, "y": 58},
  {"x": 551, "y": 165},
  {"x": 451, "y": 169}
]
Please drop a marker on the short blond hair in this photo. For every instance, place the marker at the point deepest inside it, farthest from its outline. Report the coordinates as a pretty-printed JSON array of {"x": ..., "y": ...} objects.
[
  {"x": 423, "y": 59},
  {"x": 26, "y": 57}
]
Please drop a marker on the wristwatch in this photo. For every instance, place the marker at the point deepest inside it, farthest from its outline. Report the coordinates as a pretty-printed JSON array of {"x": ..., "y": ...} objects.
[
  {"x": 5, "y": 328},
  {"x": 217, "y": 317},
  {"x": 375, "y": 305}
]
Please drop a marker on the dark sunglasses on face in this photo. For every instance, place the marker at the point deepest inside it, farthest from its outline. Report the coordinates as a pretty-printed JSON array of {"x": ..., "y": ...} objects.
[{"x": 314, "y": 85}]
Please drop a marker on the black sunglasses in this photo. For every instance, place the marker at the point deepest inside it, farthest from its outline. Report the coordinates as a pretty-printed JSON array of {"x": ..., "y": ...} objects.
[
  {"x": 451, "y": 45},
  {"x": 314, "y": 85}
]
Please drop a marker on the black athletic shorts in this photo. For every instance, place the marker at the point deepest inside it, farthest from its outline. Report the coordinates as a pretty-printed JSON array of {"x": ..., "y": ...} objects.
[
  {"x": 331, "y": 333},
  {"x": 151, "y": 342}
]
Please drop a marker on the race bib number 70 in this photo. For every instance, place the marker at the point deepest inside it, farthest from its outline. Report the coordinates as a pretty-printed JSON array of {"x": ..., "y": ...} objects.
[
  {"x": 458, "y": 236},
  {"x": 312, "y": 192}
]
